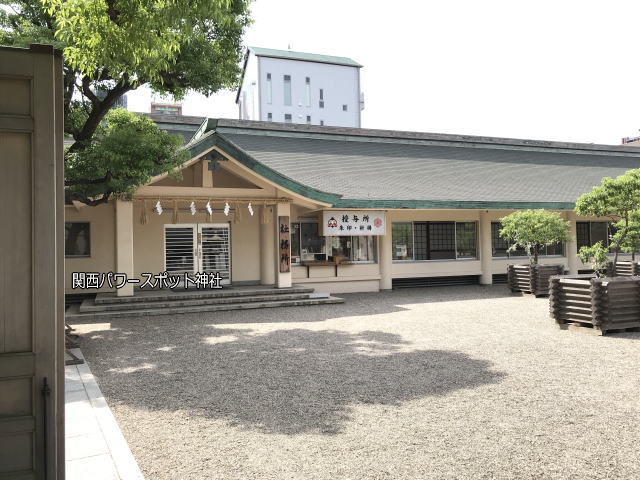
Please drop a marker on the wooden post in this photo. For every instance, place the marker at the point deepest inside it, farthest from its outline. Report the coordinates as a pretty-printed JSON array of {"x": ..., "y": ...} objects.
[
  {"x": 267, "y": 247},
  {"x": 386, "y": 255},
  {"x": 283, "y": 212},
  {"x": 486, "y": 252},
  {"x": 124, "y": 244}
]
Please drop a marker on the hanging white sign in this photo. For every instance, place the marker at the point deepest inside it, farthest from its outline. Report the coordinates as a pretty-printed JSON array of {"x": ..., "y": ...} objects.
[{"x": 347, "y": 223}]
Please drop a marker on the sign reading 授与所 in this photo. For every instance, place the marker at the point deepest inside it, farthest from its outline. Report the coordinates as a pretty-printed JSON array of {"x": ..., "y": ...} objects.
[{"x": 345, "y": 223}]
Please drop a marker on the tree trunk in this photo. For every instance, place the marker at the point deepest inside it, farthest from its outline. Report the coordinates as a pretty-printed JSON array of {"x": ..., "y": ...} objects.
[
  {"x": 535, "y": 254},
  {"x": 99, "y": 109}
]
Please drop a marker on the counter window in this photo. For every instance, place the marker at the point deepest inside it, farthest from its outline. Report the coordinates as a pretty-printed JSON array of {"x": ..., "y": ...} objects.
[
  {"x": 354, "y": 249},
  {"x": 306, "y": 242},
  {"x": 499, "y": 246},
  {"x": 434, "y": 240},
  {"x": 295, "y": 243}
]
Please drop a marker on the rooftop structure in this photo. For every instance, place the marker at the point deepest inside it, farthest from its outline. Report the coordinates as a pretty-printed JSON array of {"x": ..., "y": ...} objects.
[{"x": 300, "y": 88}]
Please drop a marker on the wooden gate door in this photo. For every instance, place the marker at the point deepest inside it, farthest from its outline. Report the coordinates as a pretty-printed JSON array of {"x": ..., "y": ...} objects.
[{"x": 31, "y": 264}]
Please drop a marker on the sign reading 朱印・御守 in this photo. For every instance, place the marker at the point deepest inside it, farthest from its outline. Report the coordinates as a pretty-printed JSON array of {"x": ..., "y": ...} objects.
[{"x": 353, "y": 223}]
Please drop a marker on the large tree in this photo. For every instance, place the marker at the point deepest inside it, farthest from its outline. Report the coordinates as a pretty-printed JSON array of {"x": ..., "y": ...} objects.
[{"x": 114, "y": 46}]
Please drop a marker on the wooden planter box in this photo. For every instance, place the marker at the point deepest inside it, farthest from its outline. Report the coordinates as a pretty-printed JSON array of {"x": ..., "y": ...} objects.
[
  {"x": 532, "y": 278},
  {"x": 604, "y": 303},
  {"x": 625, "y": 269}
]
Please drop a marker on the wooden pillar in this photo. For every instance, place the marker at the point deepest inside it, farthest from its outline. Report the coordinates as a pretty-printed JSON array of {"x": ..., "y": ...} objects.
[
  {"x": 267, "y": 247},
  {"x": 283, "y": 278},
  {"x": 571, "y": 249},
  {"x": 124, "y": 244},
  {"x": 386, "y": 255},
  {"x": 486, "y": 252},
  {"x": 207, "y": 175}
]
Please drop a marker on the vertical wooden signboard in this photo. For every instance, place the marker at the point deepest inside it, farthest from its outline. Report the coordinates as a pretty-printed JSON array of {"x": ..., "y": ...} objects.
[{"x": 284, "y": 244}]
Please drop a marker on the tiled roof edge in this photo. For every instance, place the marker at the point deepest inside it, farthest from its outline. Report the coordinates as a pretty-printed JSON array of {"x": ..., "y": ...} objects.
[{"x": 298, "y": 129}]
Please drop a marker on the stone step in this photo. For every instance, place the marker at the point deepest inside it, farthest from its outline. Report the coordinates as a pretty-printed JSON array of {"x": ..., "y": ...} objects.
[
  {"x": 169, "y": 295},
  {"x": 73, "y": 313},
  {"x": 89, "y": 305}
]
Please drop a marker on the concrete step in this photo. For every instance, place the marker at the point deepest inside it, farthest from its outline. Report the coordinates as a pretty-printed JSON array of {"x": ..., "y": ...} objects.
[
  {"x": 73, "y": 313},
  {"x": 170, "y": 295},
  {"x": 89, "y": 305}
]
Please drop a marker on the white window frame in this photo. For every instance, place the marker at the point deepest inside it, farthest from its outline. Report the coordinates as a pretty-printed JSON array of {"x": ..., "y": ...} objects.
[
  {"x": 287, "y": 93},
  {"x": 269, "y": 89}
]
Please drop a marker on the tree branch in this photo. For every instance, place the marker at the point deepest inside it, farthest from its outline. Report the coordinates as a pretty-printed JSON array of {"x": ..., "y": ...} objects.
[
  {"x": 114, "y": 15},
  {"x": 92, "y": 202},
  {"x": 99, "y": 110},
  {"x": 87, "y": 92}
]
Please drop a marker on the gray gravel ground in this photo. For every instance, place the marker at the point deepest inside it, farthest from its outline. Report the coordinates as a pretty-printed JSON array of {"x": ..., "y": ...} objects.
[{"x": 463, "y": 382}]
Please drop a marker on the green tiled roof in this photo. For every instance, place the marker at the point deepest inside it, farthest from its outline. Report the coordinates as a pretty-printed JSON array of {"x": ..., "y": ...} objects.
[
  {"x": 309, "y": 57},
  {"x": 358, "y": 168}
]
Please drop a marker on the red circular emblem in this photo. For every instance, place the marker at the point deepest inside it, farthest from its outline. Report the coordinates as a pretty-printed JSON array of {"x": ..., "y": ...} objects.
[{"x": 377, "y": 223}]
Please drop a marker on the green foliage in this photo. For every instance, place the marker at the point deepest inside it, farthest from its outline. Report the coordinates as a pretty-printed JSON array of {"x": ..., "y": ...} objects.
[
  {"x": 23, "y": 22},
  {"x": 147, "y": 39},
  {"x": 128, "y": 150},
  {"x": 631, "y": 241},
  {"x": 114, "y": 46},
  {"x": 597, "y": 256},
  {"x": 532, "y": 229},
  {"x": 619, "y": 199}
]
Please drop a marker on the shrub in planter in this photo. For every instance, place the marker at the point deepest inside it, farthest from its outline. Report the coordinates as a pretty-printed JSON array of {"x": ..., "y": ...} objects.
[
  {"x": 609, "y": 301},
  {"x": 619, "y": 199},
  {"x": 533, "y": 230},
  {"x": 630, "y": 244},
  {"x": 604, "y": 303}
]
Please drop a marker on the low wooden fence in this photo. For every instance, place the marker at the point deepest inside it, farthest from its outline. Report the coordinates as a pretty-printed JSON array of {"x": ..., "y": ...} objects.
[
  {"x": 625, "y": 269},
  {"x": 605, "y": 303},
  {"x": 532, "y": 278}
]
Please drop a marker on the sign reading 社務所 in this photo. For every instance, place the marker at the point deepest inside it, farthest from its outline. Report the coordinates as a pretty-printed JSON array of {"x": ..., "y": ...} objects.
[{"x": 347, "y": 223}]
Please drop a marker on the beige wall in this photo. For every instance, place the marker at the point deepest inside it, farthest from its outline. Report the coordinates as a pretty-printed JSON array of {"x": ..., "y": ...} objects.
[
  {"x": 148, "y": 248},
  {"x": 246, "y": 252},
  {"x": 102, "y": 238}
]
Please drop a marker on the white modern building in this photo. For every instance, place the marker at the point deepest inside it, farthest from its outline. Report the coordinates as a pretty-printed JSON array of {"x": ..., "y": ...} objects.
[{"x": 296, "y": 87}]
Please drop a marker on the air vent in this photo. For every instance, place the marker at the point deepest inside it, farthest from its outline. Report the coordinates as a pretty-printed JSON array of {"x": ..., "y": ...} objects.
[
  {"x": 499, "y": 278},
  {"x": 435, "y": 281}
]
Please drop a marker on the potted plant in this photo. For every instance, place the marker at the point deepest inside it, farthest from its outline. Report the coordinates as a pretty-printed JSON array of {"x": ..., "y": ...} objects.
[
  {"x": 630, "y": 244},
  {"x": 533, "y": 230},
  {"x": 608, "y": 301}
]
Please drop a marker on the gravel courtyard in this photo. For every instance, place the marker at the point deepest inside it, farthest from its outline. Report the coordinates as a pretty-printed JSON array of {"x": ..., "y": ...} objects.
[{"x": 461, "y": 382}]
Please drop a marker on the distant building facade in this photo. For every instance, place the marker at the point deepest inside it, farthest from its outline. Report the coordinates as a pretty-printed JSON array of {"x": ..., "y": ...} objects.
[
  {"x": 166, "y": 108},
  {"x": 303, "y": 88}
]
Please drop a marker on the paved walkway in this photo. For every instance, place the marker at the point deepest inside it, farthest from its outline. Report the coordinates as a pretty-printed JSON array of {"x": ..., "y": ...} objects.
[{"x": 95, "y": 447}]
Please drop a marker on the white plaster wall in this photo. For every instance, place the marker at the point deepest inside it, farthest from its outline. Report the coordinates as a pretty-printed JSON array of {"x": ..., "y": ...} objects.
[
  {"x": 249, "y": 101},
  {"x": 340, "y": 85}
]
